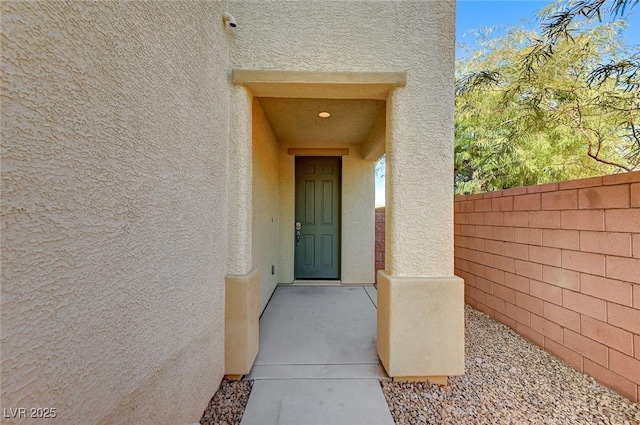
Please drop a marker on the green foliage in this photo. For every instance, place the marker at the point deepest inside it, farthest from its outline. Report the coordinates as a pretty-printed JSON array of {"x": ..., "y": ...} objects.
[
  {"x": 558, "y": 18},
  {"x": 529, "y": 114}
]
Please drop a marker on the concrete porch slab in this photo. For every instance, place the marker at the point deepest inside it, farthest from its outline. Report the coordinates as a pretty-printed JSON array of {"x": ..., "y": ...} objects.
[
  {"x": 308, "y": 325},
  {"x": 317, "y": 362},
  {"x": 317, "y": 402}
]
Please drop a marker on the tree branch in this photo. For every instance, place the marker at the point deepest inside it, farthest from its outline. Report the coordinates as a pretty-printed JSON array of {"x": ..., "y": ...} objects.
[{"x": 590, "y": 142}]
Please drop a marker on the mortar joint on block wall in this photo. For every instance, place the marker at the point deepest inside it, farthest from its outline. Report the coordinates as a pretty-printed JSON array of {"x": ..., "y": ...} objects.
[{"x": 572, "y": 252}]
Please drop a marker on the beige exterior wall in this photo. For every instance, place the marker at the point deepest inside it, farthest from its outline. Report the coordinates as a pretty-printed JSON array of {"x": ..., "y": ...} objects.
[
  {"x": 358, "y": 219},
  {"x": 240, "y": 209},
  {"x": 266, "y": 208},
  {"x": 287, "y": 215},
  {"x": 407, "y": 309},
  {"x": 131, "y": 186},
  {"x": 419, "y": 176},
  {"x": 357, "y": 215},
  {"x": 416, "y": 37},
  {"x": 384, "y": 36},
  {"x": 241, "y": 323},
  {"x": 114, "y": 187}
]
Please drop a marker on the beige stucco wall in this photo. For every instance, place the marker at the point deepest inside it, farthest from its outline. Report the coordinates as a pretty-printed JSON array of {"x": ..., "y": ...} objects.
[
  {"x": 416, "y": 37},
  {"x": 114, "y": 221},
  {"x": 378, "y": 36},
  {"x": 241, "y": 323},
  {"x": 265, "y": 204},
  {"x": 358, "y": 219},
  {"x": 240, "y": 210},
  {"x": 120, "y": 137},
  {"x": 357, "y": 255}
]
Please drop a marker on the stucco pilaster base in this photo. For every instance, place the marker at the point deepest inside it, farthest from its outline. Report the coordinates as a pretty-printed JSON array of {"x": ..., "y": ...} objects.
[
  {"x": 421, "y": 327},
  {"x": 241, "y": 323}
]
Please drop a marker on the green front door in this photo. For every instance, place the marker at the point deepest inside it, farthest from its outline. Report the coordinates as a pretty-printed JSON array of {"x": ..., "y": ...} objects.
[{"x": 317, "y": 226}]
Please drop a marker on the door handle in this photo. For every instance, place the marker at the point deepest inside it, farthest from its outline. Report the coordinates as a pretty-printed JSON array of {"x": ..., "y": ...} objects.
[{"x": 298, "y": 232}]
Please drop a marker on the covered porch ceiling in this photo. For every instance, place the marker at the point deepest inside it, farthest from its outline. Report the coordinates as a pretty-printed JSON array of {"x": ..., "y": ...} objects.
[
  {"x": 296, "y": 120},
  {"x": 356, "y": 102}
]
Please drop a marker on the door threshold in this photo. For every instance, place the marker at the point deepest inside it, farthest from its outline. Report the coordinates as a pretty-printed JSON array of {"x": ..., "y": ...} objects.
[{"x": 310, "y": 282}]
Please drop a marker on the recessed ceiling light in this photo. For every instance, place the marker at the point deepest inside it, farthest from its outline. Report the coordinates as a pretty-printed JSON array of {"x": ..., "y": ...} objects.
[{"x": 324, "y": 114}]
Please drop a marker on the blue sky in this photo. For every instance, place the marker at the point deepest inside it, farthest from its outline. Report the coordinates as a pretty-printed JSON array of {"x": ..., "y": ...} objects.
[{"x": 474, "y": 14}]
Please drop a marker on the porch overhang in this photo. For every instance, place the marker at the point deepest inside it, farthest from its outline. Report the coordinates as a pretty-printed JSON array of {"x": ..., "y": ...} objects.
[
  {"x": 290, "y": 98},
  {"x": 319, "y": 85},
  {"x": 369, "y": 113}
]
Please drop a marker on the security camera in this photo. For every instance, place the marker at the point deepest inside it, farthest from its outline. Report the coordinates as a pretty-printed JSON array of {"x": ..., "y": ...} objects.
[{"x": 228, "y": 18}]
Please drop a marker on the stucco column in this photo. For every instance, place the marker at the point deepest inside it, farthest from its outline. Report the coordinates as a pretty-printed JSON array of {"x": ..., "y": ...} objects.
[
  {"x": 240, "y": 182},
  {"x": 242, "y": 282},
  {"x": 420, "y": 301}
]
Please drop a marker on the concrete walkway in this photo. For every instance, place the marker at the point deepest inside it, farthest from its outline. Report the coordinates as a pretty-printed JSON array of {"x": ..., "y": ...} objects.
[{"x": 317, "y": 363}]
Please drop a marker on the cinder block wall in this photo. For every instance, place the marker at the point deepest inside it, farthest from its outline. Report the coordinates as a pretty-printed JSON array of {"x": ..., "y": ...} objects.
[
  {"x": 379, "y": 240},
  {"x": 560, "y": 264}
]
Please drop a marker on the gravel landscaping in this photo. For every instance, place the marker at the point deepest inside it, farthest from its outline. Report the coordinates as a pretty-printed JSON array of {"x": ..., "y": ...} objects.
[
  {"x": 228, "y": 403},
  {"x": 508, "y": 381}
]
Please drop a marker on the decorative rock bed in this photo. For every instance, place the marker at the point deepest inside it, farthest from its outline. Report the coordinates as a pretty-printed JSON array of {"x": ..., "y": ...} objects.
[
  {"x": 508, "y": 381},
  {"x": 228, "y": 403}
]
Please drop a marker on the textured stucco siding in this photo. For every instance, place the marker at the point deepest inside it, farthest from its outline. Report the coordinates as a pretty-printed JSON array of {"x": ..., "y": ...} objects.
[
  {"x": 114, "y": 219},
  {"x": 358, "y": 219},
  {"x": 265, "y": 203},
  {"x": 385, "y": 36},
  {"x": 287, "y": 198},
  {"x": 239, "y": 250}
]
